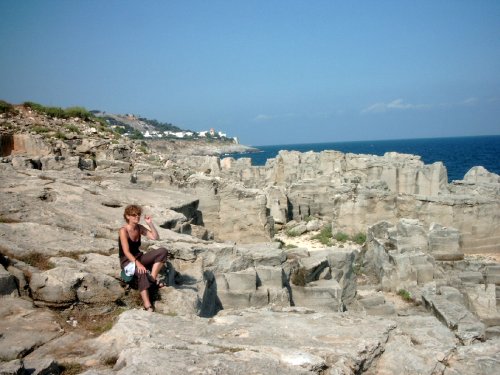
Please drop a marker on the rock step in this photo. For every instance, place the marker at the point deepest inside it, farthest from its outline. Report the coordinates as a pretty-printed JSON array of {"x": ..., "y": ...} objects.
[
  {"x": 457, "y": 317},
  {"x": 471, "y": 244},
  {"x": 492, "y": 274},
  {"x": 472, "y": 241},
  {"x": 481, "y": 249}
]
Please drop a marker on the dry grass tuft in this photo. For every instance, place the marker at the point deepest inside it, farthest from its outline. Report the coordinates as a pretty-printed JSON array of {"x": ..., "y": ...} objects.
[
  {"x": 91, "y": 319},
  {"x": 71, "y": 368},
  {"x": 38, "y": 260}
]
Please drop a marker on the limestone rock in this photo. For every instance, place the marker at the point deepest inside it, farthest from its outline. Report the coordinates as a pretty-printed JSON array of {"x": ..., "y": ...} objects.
[
  {"x": 465, "y": 325},
  {"x": 64, "y": 285},
  {"x": 359, "y": 190},
  {"x": 298, "y": 229},
  {"x": 322, "y": 295},
  {"x": 481, "y": 175},
  {"x": 19, "y": 333},
  {"x": 43, "y": 366},
  {"x": 182, "y": 302},
  {"x": 397, "y": 255},
  {"x": 444, "y": 243},
  {"x": 480, "y": 359},
  {"x": 14, "y": 367},
  {"x": 250, "y": 341}
]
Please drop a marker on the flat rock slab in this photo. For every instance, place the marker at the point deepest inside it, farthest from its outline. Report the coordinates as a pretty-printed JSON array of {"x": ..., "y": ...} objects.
[
  {"x": 24, "y": 238},
  {"x": 24, "y": 328},
  {"x": 478, "y": 359},
  {"x": 289, "y": 341},
  {"x": 467, "y": 327},
  {"x": 422, "y": 341}
]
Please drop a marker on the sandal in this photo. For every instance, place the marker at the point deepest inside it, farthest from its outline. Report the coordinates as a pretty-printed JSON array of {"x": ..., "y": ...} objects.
[
  {"x": 160, "y": 284},
  {"x": 149, "y": 308}
]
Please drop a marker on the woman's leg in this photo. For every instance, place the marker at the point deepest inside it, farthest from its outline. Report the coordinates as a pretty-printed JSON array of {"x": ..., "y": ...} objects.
[
  {"x": 145, "y": 299},
  {"x": 143, "y": 283},
  {"x": 155, "y": 260},
  {"x": 156, "y": 269}
]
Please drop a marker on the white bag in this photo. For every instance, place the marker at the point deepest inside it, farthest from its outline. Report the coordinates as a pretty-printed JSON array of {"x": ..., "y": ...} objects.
[{"x": 130, "y": 269}]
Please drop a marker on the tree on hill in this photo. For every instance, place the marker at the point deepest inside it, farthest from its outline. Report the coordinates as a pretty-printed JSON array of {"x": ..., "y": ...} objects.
[{"x": 161, "y": 126}]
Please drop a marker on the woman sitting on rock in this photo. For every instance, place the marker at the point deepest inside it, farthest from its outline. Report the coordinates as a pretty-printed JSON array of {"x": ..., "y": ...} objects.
[{"x": 147, "y": 265}]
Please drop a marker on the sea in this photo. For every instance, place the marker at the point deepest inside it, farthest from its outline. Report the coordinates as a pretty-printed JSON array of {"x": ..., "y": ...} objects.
[{"x": 458, "y": 154}]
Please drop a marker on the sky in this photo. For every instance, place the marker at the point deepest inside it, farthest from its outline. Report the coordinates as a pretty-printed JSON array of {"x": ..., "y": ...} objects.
[{"x": 265, "y": 71}]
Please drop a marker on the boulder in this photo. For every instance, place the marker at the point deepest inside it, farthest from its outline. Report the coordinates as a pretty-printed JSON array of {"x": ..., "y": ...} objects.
[
  {"x": 481, "y": 175},
  {"x": 63, "y": 285},
  {"x": 178, "y": 301},
  {"x": 297, "y": 230},
  {"x": 444, "y": 243},
  {"x": 270, "y": 277},
  {"x": 321, "y": 295},
  {"x": 314, "y": 225},
  {"x": 14, "y": 367},
  {"x": 59, "y": 163},
  {"x": 341, "y": 262}
]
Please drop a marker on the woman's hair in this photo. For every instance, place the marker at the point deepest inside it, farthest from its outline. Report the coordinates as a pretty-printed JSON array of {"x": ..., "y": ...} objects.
[{"x": 132, "y": 209}]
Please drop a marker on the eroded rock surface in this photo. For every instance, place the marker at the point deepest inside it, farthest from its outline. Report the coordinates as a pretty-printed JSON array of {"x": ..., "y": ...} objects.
[{"x": 246, "y": 305}]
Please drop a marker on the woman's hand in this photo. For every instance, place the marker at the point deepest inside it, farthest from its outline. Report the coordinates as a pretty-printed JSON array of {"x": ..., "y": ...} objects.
[
  {"x": 152, "y": 233},
  {"x": 140, "y": 267}
]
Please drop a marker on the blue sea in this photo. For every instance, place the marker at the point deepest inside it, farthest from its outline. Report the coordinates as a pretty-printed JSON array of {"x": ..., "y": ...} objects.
[{"x": 458, "y": 154}]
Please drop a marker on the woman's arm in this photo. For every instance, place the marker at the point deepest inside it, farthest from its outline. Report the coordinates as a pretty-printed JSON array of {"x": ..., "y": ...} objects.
[{"x": 151, "y": 233}]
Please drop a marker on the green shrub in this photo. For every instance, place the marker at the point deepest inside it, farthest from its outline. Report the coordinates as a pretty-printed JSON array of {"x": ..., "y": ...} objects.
[
  {"x": 6, "y": 125},
  {"x": 101, "y": 121},
  {"x": 291, "y": 233},
  {"x": 55, "y": 112},
  {"x": 6, "y": 107},
  {"x": 73, "y": 128},
  {"x": 79, "y": 112},
  {"x": 34, "y": 106},
  {"x": 325, "y": 235},
  {"x": 58, "y": 112},
  {"x": 40, "y": 129},
  {"x": 49, "y": 111},
  {"x": 357, "y": 269},
  {"x": 136, "y": 134},
  {"x": 359, "y": 238},
  {"x": 404, "y": 294},
  {"x": 60, "y": 135},
  {"x": 120, "y": 130},
  {"x": 341, "y": 237}
]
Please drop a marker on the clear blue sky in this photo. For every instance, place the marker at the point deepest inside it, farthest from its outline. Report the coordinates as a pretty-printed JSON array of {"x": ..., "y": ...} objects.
[{"x": 269, "y": 72}]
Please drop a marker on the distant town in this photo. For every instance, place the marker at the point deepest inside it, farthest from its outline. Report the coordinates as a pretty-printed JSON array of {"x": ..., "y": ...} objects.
[{"x": 136, "y": 127}]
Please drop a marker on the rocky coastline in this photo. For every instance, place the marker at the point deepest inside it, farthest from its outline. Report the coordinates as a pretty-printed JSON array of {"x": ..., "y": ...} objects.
[{"x": 316, "y": 263}]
